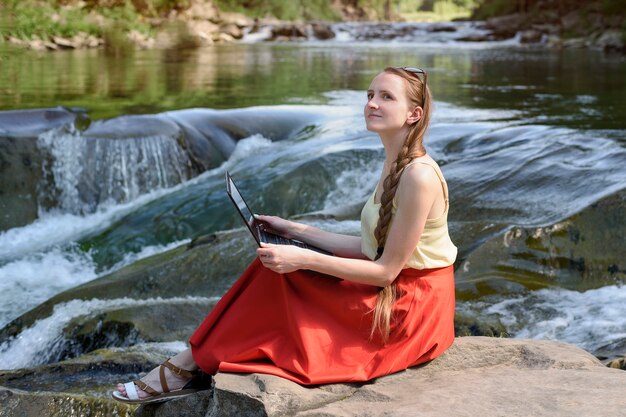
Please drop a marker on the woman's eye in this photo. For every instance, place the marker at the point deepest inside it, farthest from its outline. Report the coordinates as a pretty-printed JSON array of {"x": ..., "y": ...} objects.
[
  {"x": 370, "y": 96},
  {"x": 387, "y": 97}
]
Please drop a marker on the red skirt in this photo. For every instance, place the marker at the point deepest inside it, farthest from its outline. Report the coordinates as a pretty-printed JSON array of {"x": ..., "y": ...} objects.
[{"x": 314, "y": 329}]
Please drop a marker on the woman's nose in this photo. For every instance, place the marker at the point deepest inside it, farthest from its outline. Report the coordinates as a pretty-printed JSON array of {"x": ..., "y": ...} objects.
[{"x": 372, "y": 103}]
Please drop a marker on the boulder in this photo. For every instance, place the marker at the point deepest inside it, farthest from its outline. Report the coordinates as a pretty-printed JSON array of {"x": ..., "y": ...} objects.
[
  {"x": 232, "y": 30},
  {"x": 580, "y": 253},
  {"x": 442, "y": 27},
  {"x": 530, "y": 36},
  {"x": 322, "y": 31},
  {"x": 611, "y": 40},
  {"x": 204, "y": 30},
  {"x": 503, "y": 27},
  {"x": 237, "y": 19},
  {"x": 476, "y": 376},
  {"x": 201, "y": 10},
  {"x": 289, "y": 31}
]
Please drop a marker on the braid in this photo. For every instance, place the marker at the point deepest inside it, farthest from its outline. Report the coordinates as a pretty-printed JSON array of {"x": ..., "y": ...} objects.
[{"x": 411, "y": 149}]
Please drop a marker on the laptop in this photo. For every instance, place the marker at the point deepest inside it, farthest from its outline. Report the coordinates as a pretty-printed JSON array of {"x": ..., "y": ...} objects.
[{"x": 256, "y": 227}]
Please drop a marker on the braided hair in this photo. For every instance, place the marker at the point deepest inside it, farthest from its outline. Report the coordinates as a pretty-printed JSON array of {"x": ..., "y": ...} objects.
[{"x": 412, "y": 148}]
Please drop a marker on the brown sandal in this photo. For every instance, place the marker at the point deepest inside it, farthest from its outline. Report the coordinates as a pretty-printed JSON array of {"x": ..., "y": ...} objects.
[{"x": 198, "y": 381}]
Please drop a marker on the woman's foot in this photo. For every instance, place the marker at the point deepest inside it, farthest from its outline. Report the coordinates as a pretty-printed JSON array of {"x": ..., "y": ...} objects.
[{"x": 163, "y": 378}]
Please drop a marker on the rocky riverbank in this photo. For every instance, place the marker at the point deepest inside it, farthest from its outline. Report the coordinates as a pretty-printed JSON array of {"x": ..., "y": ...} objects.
[
  {"x": 202, "y": 23},
  {"x": 477, "y": 375}
]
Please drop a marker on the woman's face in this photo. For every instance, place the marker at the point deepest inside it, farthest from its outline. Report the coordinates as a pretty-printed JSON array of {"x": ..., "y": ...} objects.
[{"x": 387, "y": 108}]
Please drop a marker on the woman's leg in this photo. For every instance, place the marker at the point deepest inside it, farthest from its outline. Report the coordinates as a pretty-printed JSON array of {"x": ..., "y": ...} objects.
[{"x": 183, "y": 360}]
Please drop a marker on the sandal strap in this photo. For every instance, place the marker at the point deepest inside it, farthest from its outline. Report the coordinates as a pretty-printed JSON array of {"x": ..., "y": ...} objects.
[
  {"x": 177, "y": 371},
  {"x": 146, "y": 388}
]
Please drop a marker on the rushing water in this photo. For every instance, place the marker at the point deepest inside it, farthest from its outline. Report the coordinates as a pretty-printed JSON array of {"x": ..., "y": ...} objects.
[{"x": 524, "y": 136}]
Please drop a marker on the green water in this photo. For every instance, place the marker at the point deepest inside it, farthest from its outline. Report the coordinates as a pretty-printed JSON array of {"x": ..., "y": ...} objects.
[{"x": 576, "y": 88}]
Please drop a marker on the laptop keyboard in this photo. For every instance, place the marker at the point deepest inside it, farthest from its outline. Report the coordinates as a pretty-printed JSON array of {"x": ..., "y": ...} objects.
[{"x": 278, "y": 240}]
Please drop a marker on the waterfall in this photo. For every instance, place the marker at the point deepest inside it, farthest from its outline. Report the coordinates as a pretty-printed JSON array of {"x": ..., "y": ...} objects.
[{"x": 81, "y": 172}]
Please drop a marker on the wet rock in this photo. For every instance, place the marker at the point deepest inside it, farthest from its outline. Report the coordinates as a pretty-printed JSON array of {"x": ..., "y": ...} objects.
[
  {"x": 618, "y": 363},
  {"x": 442, "y": 27},
  {"x": 289, "y": 31},
  {"x": 504, "y": 27},
  {"x": 611, "y": 40},
  {"x": 21, "y": 160},
  {"x": 322, "y": 31},
  {"x": 94, "y": 374},
  {"x": 231, "y": 30},
  {"x": 164, "y": 321},
  {"x": 17, "y": 403},
  {"x": 579, "y": 253},
  {"x": 475, "y": 37},
  {"x": 530, "y": 36},
  {"x": 576, "y": 43}
]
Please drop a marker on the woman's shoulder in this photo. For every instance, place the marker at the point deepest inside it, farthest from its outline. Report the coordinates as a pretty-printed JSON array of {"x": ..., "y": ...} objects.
[{"x": 421, "y": 171}]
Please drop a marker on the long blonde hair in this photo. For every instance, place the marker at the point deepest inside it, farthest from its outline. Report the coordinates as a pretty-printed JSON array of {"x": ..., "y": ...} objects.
[{"x": 413, "y": 148}]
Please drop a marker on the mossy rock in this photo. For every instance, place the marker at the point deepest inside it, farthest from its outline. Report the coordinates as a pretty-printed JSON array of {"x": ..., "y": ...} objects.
[{"x": 580, "y": 253}]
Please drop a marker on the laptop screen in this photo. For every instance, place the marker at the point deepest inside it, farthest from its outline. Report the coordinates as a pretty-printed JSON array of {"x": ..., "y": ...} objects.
[{"x": 238, "y": 200}]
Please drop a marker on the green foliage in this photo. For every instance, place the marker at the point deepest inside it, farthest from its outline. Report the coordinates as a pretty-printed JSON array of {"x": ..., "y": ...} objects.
[
  {"x": 491, "y": 8},
  {"x": 35, "y": 18},
  {"x": 281, "y": 9},
  {"x": 28, "y": 18},
  {"x": 614, "y": 6}
]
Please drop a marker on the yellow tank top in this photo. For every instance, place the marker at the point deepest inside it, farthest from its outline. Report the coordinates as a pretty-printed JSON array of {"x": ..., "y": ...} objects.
[{"x": 434, "y": 249}]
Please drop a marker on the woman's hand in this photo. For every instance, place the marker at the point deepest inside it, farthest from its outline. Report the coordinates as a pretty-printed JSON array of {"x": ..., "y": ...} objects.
[
  {"x": 282, "y": 258},
  {"x": 279, "y": 226}
]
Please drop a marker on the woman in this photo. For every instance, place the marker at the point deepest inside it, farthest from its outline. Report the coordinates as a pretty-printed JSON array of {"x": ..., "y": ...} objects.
[{"x": 384, "y": 303}]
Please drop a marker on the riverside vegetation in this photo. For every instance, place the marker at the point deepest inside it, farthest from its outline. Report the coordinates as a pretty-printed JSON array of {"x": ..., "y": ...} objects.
[{"x": 62, "y": 24}]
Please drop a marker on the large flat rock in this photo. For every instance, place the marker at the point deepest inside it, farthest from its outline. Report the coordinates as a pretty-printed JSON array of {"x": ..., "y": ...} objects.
[{"x": 477, "y": 376}]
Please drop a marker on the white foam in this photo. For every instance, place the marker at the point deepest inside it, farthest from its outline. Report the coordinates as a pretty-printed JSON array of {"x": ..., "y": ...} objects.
[
  {"x": 353, "y": 185},
  {"x": 106, "y": 170},
  {"x": 590, "y": 319},
  {"x": 247, "y": 147},
  {"x": 39, "y": 343},
  {"x": 31, "y": 280}
]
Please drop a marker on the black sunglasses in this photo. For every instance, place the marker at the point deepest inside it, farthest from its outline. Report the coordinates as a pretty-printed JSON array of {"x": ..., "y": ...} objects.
[{"x": 416, "y": 72}]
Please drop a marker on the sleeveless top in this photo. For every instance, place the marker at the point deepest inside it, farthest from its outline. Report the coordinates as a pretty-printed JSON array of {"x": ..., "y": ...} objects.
[{"x": 434, "y": 249}]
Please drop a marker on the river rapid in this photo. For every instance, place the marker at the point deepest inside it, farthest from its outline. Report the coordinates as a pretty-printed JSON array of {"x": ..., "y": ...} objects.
[{"x": 525, "y": 137}]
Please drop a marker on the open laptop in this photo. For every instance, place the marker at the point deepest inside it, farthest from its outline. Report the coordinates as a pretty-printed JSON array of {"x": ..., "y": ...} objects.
[{"x": 256, "y": 227}]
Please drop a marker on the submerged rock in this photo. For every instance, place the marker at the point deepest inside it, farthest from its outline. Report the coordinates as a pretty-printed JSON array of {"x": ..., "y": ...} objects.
[{"x": 579, "y": 253}]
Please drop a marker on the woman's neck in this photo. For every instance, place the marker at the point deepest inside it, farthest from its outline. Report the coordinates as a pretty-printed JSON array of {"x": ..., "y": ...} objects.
[{"x": 392, "y": 142}]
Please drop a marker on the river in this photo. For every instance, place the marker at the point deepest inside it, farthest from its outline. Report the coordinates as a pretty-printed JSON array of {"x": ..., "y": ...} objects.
[{"x": 525, "y": 137}]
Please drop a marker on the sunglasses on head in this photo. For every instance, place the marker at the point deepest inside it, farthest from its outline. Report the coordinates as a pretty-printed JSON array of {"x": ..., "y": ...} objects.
[{"x": 416, "y": 72}]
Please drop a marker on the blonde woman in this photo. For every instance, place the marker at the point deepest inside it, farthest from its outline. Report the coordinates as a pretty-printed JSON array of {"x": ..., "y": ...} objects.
[{"x": 383, "y": 303}]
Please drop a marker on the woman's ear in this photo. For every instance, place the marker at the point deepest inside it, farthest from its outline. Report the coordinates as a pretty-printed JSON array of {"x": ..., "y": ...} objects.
[{"x": 415, "y": 116}]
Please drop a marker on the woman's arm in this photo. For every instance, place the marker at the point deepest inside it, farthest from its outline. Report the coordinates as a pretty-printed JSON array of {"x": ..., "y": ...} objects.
[
  {"x": 341, "y": 245},
  {"x": 416, "y": 195}
]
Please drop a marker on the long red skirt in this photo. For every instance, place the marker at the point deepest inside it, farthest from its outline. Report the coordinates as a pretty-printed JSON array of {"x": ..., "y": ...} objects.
[{"x": 314, "y": 329}]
